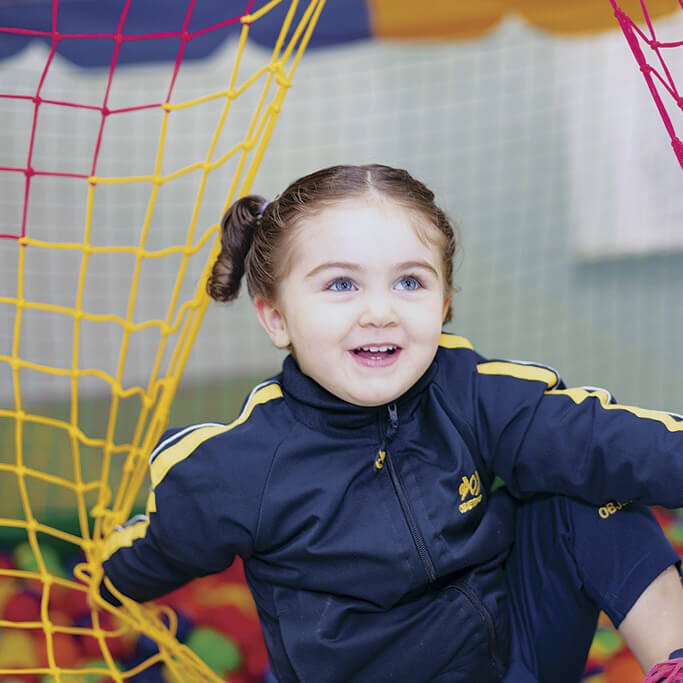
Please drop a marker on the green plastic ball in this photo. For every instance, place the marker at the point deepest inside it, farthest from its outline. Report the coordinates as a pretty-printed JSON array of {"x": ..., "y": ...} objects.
[
  {"x": 217, "y": 650},
  {"x": 25, "y": 559}
]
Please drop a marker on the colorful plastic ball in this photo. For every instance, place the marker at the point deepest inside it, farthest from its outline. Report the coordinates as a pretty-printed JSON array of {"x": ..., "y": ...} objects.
[
  {"x": 234, "y": 594},
  {"x": 69, "y": 601},
  {"x": 606, "y": 643},
  {"x": 184, "y": 600},
  {"x": 245, "y": 631},
  {"x": 120, "y": 646},
  {"x": 238, "y": 677},
  {"x": 25, "y": 559},
  {"x": 145, "y": 647},
  {"x": 675, "y": 532},
  {"x": 594, "y": 678},
  {"x": 219, "y": 651},
  {"x": 152, "y": 674},
  {"x": 256, "y": 661},
  {"x": 17, "y": 650},
  {"x": 623, "y": 669},
  {"x": 184, "y": 625},
  {"x": 23, "y": 606},
  {"x": 65, "y": 649},
  {"x": 94, "y": 677},
  {"x": 9, "y": 586},
  {"x": 6, "y": 561},
  {"x": 593, "y": 668}
]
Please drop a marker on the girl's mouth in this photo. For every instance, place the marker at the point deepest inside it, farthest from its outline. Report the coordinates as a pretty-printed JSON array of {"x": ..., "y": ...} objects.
[
  {"x": 376, "y": 356},
  {"x": 375, "y": 352}
]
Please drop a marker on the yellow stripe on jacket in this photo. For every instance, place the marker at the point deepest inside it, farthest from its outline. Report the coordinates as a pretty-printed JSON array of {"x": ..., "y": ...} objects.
[
  {"x": 185, "y": 447},
  {"x": 579, "y": 395},
  {"x": 520, "y": 371}
]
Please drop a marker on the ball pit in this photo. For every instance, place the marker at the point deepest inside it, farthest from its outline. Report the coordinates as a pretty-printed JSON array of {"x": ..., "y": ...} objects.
[{"x": 216, "y": 618}]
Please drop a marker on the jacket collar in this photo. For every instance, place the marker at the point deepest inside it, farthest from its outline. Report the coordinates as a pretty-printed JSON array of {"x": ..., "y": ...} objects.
[{"x": 319, "y": 409}]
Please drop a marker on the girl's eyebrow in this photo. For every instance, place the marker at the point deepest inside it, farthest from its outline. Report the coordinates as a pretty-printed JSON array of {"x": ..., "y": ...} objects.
[
  {"x": 346, "y": 265},
  {"x": 409, "y": 265},
  {"x": 343, "y": 265}
]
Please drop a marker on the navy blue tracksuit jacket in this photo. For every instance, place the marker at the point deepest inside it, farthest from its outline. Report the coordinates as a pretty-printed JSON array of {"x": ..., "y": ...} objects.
[{"x": 372, "y": 541}]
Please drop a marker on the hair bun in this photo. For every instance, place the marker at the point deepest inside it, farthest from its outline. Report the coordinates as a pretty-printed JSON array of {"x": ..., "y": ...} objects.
[{"x": 237, "y": 235}]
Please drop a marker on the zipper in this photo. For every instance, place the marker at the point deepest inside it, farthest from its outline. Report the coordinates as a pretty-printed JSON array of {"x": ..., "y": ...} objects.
[
  {"x": 382, "y": 459},
  {"x": 486, "y": 617}
]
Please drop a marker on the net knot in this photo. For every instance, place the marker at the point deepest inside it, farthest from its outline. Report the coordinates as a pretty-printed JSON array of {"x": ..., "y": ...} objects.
[{"x": 678, "y": 149}]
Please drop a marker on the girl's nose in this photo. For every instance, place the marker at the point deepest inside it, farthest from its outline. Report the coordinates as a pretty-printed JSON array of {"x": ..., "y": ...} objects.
[{"x": 378, "y": 311}]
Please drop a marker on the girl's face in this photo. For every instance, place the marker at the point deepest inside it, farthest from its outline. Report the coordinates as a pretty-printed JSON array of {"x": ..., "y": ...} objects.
[{"x": 363, "y": 302}]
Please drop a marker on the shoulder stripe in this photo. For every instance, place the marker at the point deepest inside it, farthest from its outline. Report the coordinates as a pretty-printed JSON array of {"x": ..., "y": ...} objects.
[
  {"x": 520, "y": 371},
  {"x": 124, "y": 536},
  {"x": 453, "y": 341},
  {"x": 184, "y": 447},
  {"x": 579, "y": 395},
  {"x": 178, "y": 435}
]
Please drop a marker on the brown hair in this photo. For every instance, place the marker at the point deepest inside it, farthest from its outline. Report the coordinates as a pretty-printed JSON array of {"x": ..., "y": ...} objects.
[{"x": 255, "y": 233}]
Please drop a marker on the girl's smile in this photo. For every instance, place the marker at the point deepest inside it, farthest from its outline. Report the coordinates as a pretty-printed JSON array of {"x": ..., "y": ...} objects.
[
  {"x": 363, "y": 302},
  {"x": 377, "y": 355}
]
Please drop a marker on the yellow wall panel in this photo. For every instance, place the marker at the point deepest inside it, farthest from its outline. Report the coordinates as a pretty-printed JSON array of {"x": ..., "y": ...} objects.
[{"x": 459, "y": 19}]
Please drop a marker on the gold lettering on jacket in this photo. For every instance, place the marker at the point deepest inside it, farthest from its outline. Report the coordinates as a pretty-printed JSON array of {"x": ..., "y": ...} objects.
[{"x": 470, "y": 486}]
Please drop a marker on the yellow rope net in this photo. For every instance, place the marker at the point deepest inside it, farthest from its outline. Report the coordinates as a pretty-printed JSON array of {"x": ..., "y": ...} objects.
[{"x": 98, "y": 504}]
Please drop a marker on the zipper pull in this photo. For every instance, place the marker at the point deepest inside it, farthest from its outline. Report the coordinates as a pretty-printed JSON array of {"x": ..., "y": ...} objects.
[{"x": 391, "y": 433}]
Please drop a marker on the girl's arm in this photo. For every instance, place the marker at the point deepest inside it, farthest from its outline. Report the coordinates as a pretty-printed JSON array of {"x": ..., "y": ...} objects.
[
  {"x": 542, "y": 437},
  {"x": 200, "y": 514}
]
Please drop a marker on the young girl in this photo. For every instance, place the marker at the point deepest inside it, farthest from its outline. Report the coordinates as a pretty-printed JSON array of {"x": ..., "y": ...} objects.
[{"x": 361, "y": 485}]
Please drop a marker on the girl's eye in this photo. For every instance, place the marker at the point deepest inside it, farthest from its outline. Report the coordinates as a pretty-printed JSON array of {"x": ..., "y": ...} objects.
[
  {"x": 409, "y": 282},
  {"x": 341, "y": 284}
]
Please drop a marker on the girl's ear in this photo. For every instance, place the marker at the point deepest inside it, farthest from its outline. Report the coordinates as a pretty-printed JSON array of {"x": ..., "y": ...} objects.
[
  {"x": 272, "y": 321},
  {"x": 446, "y": 304}
]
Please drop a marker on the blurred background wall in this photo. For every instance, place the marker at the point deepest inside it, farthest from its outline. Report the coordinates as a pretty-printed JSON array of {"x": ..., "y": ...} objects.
[{"x": 545, "y": 148}]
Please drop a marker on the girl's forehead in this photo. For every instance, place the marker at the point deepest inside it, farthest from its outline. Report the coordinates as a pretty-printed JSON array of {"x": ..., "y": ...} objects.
[
  {"x": 363, "y": 230},
  {"x": 370, "y": 218}
]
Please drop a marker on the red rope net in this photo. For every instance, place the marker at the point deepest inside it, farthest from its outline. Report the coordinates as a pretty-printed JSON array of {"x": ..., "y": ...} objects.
[
  {"x": 63, "y": 458},
  {"x": 119, "y": 38},
  {"x": 659, "y": 79}
]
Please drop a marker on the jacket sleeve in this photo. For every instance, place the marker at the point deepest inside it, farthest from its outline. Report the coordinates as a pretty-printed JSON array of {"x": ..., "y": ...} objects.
[
  {"x": 201, "y": 512},
  {"x": 540, "y": 436}
]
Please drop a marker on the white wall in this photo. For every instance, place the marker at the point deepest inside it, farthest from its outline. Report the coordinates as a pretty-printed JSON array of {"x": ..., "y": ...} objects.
[{"x": 520, "y": 134}]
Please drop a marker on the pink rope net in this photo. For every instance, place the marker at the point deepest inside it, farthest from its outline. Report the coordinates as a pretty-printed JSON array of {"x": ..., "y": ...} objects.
[
  {"x": 659, "y": 80},
  {"x": 118, "y": 37}
]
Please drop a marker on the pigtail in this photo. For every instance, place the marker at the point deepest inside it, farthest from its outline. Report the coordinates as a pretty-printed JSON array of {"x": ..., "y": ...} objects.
[{"x": 237, "y": 235}]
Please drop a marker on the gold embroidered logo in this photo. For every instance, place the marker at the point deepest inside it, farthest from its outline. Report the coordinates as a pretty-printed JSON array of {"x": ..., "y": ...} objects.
[
  {"x": 379, "y": 459},
  {"x": 613, "y": 506},
  {"x": 470, "y": 486}
]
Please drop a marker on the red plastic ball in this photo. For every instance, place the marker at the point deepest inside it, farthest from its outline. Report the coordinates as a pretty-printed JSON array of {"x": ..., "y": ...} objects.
[{"x": 24, "y": 606}]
